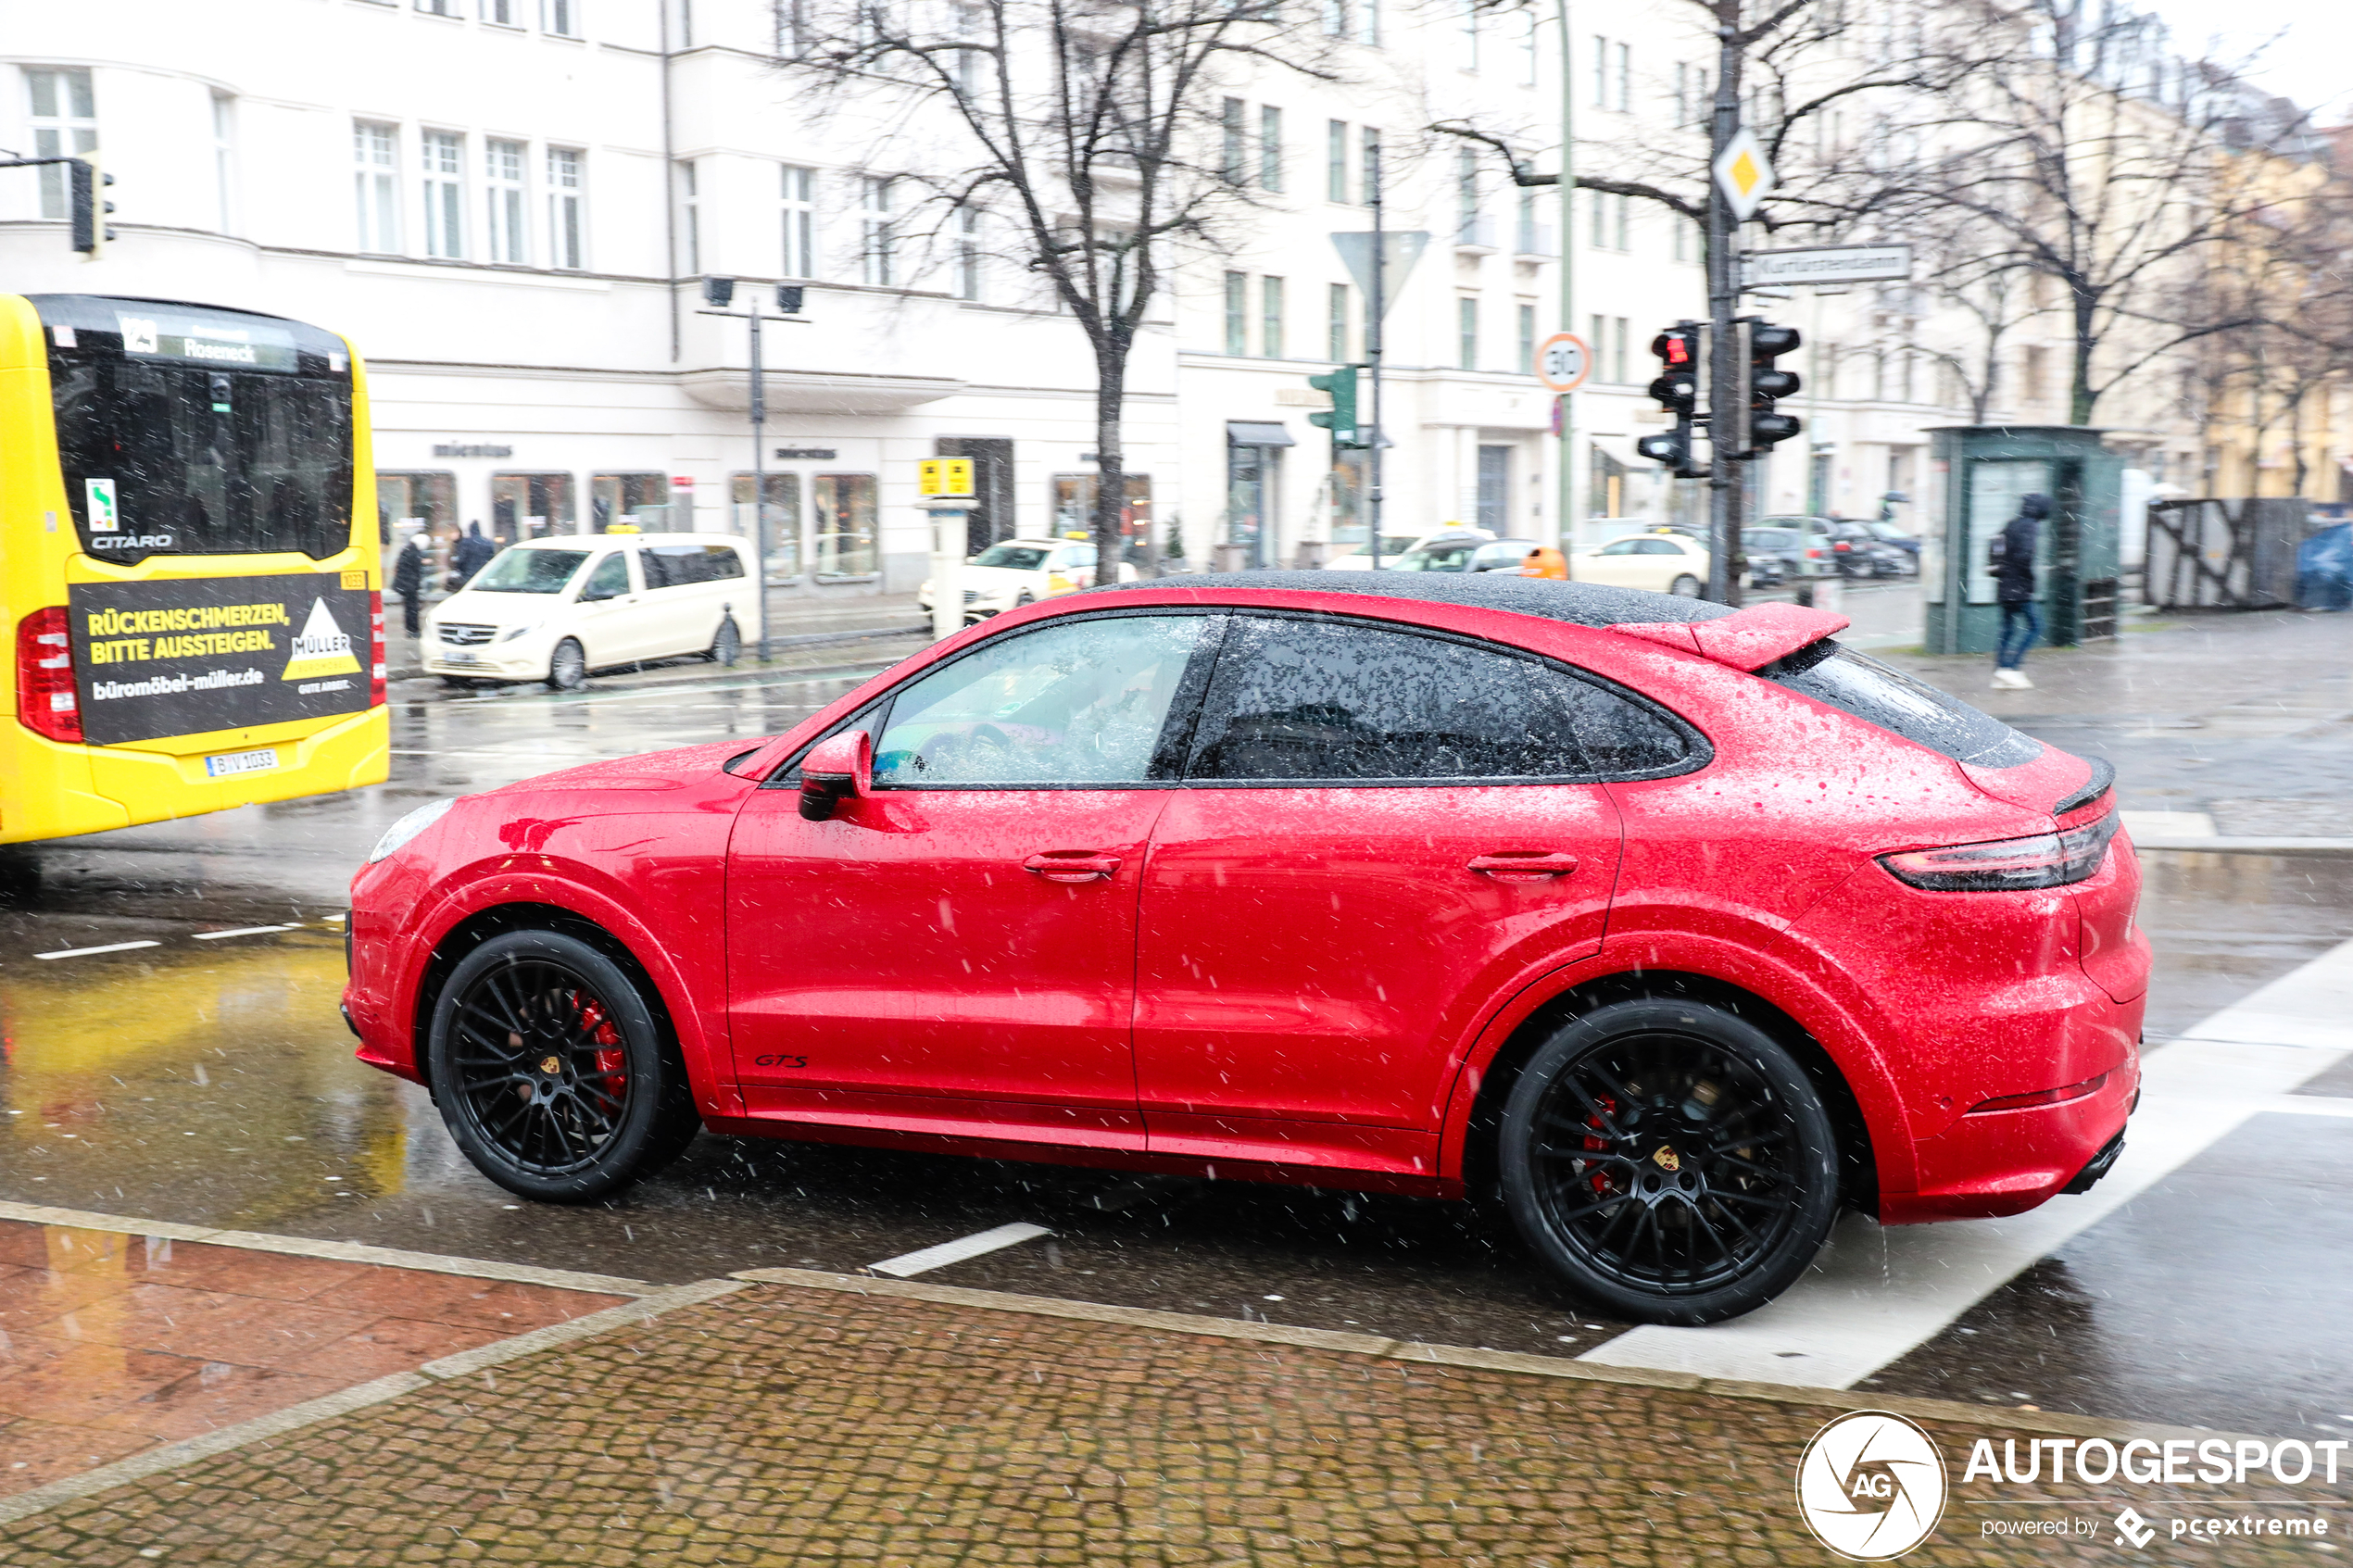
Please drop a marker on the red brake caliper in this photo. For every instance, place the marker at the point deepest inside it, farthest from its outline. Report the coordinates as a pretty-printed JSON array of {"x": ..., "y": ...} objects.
[
  {"x": 1596, "y": 1143},
  {"x": 610, "y": 1060}
]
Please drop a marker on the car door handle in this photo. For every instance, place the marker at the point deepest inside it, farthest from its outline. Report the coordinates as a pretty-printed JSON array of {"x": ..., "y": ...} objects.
[
  {"x": 1524, "y": 865},
  {"x": 1072, "y": 865}
]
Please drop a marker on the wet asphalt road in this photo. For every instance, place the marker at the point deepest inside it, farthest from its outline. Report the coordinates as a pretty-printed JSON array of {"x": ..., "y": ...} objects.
[{"x": 210, "y": 1080}]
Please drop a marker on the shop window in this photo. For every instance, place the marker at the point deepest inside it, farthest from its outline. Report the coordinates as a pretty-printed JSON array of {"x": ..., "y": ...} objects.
[
  {"x": 782, "y": 513},
  {"x": 846, "y": 533},
  {"x": 418, "y": 503},
  {"x": 631, "y": 502},
  {"x": 1075, "y": 508},
  {"x": 531, "y": 505}
]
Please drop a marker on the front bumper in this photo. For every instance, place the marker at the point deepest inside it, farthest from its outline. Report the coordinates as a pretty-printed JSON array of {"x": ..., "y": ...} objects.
[{"x": 522, "y": 659}]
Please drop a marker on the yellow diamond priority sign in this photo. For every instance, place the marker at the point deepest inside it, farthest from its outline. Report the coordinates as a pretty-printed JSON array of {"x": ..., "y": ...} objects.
[{"x": 1744, "y": 174}]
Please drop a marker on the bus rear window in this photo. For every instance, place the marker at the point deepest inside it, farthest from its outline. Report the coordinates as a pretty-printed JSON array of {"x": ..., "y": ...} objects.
[
  {"x": 187, "y": 459},
  {"x": 1859, "y": 684}
]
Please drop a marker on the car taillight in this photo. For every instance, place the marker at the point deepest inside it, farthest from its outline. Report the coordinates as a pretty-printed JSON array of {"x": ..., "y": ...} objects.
[
  {"x": 46, "y": 703},
  {"x": 1813, "y": 554},
  {"x": 2047, "y": 859},
  {"x": 376, "y": 649},
  {"x": 2042, "y": 1096},
  {"x": 1841, "y": 546}
]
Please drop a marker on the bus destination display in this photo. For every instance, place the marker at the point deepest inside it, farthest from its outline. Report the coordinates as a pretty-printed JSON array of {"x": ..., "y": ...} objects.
[{"x": 193, "y": 655}]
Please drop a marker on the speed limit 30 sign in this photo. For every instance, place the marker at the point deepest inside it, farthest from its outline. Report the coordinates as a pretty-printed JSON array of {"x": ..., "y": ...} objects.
[{"x": 1562, "y": 362}]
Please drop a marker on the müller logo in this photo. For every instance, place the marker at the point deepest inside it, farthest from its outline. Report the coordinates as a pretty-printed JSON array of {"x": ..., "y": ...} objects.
[{"x": 1872, "y": 1486}]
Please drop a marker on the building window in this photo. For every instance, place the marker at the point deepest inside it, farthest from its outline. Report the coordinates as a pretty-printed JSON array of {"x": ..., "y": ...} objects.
[
  {"x": 1612, "y": 222},
  {"x": 1074, "y": 496},
  {"x": 1466, "y": 197},
  {"x": 1467, "y": 37},
  {"x": 1467, "y": 331},
  {"x": 967, "y": 253},
  {"x": 1608, "y": 496},
  {"x": 1270, "y": 147},
  {"x": 1237, "y": 313},
  {"x": 439, "y": 7},
  {"x": 1237, "y": 164},
  {"x": 690, "y": 215},
  {"x": 878, "y": 241},
  {"x": 1335, "y": 18},
  {"x": 1372, "y": 169},
  {"x": 1624, "y": 60},
  {"x": 1336, "y": 323},
  {"x": 781, "y": 513},
  {"x": 1335, "y": 160},
  {"x": 502, "y": 13},
  {"x": 1601, "y": 72},
  {"x": 1526, "y": 43},
  {"x": 376, "y": 151},
  {"x": 560, "y": 17},
  {"x": 567, "y": 225},
  {"x": 1678, "y": 230},
  {"x": 502, "y": 167},
  {"x": 801, "y": 222},
  {"x": 224, "y": 166},
  {"x": 531, "y": 505},
  {"x": 845, "y": 515},
  {"x": 637, "y": 500},
  {"x": 1527, "y": 339},
  {"x": 444, "y": 156},
  {"x": 1368, "y": 21},
  {"x": 1617, "y": 351},
  {"x": 65, "y": 121},
  {"x": 410, "y": 504},
  {"x": 1270, "y": 318}
]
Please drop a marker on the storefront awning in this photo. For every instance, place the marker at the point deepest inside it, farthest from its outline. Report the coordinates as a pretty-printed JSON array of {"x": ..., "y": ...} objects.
[{"x": 1246, "y": 432}]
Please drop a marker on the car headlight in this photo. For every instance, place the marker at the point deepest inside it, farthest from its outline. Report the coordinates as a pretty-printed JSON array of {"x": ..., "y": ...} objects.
[
  {"x": 409, "y": 827},
  {"x": 511, "y": 633}
]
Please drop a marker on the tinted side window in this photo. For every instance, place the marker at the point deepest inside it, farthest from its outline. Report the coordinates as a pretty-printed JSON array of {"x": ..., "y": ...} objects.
[
  {"x": 1080, "y": 702},
  {"x": 1336, "y": 699},
  {"x": 720, "y": 562},
  {"x": 1856, "y": 684},
  {"x": 609, "y": 581}
]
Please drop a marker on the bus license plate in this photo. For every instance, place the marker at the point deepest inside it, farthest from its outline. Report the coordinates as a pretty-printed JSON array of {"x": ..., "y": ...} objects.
[{"x": 238, "y": 762}]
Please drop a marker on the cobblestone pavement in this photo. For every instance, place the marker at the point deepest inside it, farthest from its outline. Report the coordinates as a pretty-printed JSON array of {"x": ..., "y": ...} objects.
[{"x": 796, "y": 1425}]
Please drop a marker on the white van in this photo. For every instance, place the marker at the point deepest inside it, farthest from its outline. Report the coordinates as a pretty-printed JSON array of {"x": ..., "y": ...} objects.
[{"x": 553, "y": 610}]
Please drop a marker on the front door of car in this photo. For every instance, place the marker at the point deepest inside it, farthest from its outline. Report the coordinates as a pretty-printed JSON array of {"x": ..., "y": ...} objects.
[
  {"x": 1383, "y": 833},
  {"x": 958, "y": 944},
  {"x": 614, "y": 617}
]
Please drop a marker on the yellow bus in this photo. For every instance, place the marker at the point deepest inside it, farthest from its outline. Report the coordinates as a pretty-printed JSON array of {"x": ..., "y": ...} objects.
[{"x": 189, "y": 577}]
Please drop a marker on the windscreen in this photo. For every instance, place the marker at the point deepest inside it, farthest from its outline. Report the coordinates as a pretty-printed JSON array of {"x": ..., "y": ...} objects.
[
  {"x": 528, "y": 571},
  {"x": 1859, "y": 684},
  {"x": 184, "y": 429},
  {"x": 1012, "y": 558}
]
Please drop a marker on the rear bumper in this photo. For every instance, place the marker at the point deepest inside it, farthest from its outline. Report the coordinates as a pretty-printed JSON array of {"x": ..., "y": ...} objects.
[{"x": 1990, "y": 1163}]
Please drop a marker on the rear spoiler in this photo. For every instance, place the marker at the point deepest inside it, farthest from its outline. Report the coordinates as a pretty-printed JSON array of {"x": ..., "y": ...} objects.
[{"x": 1746, "y": 639}]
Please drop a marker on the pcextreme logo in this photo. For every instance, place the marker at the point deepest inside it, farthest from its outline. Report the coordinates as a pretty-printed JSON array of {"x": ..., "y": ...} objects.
[{"x": 1872, "y": 1486}]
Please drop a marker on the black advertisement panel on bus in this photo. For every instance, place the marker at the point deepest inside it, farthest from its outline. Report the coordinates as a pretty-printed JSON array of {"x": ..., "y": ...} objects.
[{"x": 195, "y": 654}]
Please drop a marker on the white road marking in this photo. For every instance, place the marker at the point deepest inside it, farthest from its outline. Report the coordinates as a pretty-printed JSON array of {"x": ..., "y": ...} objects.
[
  {"x": 245, "y": 931},
  {"x": 1877, "y": 1292},
  {"x": 85, "y": 952},
  {"x": 909, "y": 1264}
]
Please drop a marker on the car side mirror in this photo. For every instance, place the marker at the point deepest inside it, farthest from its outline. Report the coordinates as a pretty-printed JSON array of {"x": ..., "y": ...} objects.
[{"x": 839, "y": 768}]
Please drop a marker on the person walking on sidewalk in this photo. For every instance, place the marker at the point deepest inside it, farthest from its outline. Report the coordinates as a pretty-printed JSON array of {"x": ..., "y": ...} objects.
[
  {"x": 409, "y": 582},
  {"x": 474, "y": 553},
  {"x": 2012, "y": 557}
]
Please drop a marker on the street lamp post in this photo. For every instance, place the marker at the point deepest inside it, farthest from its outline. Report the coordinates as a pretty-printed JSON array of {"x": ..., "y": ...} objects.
[{"x": 721, "y": 292}]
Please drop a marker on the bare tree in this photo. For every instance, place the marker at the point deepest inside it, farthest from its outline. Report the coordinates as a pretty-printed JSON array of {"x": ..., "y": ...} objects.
[{"x": 1085, "y": 129}]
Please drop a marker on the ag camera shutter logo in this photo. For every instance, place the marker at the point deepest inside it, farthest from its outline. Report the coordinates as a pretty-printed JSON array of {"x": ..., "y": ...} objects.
[{"x": 1872, "y": 1486}]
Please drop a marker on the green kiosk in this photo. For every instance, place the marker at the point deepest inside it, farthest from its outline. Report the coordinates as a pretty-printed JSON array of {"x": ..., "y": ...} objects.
[{"x": 1978, "y": 475}]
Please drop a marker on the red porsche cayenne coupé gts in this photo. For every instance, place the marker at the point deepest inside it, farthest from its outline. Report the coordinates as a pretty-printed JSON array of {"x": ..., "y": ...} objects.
[{"x": 1677, "y": 927}]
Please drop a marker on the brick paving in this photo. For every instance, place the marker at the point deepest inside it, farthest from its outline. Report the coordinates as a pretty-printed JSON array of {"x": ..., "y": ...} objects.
[
  {"x": 113, "y": 1344},
  {"x": 786, "y": 1425}
]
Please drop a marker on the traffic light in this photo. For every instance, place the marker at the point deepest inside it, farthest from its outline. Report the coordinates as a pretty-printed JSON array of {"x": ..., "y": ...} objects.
[
  {"x": 1340, "y": 418},
  {"x": 1676, "y": 390},
  {"x": 1761, "y": 344},
  {"x": 85, "y": 188}
]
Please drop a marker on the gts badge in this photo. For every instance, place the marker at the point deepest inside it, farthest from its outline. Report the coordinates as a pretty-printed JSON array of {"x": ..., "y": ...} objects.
[{"x": 780, "y": 1061}]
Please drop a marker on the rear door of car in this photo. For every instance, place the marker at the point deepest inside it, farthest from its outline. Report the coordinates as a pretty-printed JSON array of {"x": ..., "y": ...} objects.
[{"x": 1381, "y": 832}]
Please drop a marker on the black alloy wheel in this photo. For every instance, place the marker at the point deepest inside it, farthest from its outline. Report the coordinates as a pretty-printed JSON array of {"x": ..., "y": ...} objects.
[
  {"x": 567, "y": 667},
  {"x": 553, "y": 1074},
  {"x": 1670, "y": 1162},
  {"x": 727, "y": 644}
]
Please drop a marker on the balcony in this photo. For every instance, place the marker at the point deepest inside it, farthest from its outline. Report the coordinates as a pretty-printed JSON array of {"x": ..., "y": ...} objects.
[
  {"x": 1476, "y": 232},
  {"x": 1535, "y": 240}
]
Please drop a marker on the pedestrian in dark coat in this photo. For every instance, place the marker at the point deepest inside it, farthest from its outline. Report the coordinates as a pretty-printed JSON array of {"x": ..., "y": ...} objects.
[
  {"x": 474, "y": 553},
  {"x": 2012, "y": 557},
  {"x": 409, "y": 580}
]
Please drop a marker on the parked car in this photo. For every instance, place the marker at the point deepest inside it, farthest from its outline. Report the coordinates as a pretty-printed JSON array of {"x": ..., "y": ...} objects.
[
  {"x": 1775, "y": 556},
  {"x": 1695, "y": 925},
  {"x": 558, "y": 608},
  {"x": 1013, "y": 572},
  {"x": 1858, "y": 552},
  {"x": 1456, "y": 552},
  {"x": 1661, "y": 562},
  {"x": 1894, "y": 538},
  {"x": 1358, "y": 558},
  {"x": 1807, "y": 554}
]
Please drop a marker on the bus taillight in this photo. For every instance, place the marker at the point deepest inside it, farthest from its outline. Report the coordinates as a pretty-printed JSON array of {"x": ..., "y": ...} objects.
[
  {"x": 46, "y": 700},
  {"x": 376, "y": 649}
]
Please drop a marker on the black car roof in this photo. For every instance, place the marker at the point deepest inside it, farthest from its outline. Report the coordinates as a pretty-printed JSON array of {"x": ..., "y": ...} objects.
[{"x": 1581, "y": 604}]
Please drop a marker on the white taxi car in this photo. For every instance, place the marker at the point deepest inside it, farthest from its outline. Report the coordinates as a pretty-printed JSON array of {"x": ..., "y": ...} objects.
[
  {"x": 553, "y": 610},
  {"x": 1013, "y": 572},
  {"x": 1664, "y": 563}
]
